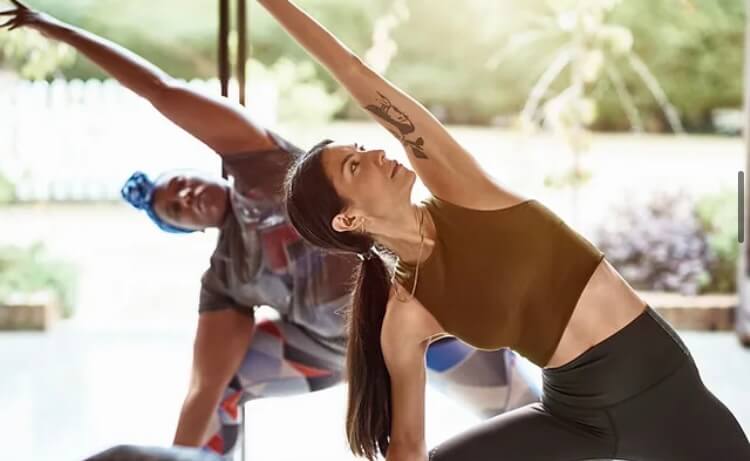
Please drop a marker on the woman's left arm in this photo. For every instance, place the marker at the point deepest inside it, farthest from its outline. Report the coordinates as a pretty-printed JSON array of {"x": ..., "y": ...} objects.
[{"x": 445, "y": 167}]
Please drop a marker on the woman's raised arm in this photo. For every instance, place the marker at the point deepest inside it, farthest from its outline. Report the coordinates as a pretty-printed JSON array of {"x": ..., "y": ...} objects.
[
  {"x": 216, "y": 121},
  {"x": 440, "y": 161}
]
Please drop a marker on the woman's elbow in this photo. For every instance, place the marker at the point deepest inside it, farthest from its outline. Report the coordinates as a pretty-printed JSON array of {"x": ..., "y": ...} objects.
[{"x": 160, "y": 91}]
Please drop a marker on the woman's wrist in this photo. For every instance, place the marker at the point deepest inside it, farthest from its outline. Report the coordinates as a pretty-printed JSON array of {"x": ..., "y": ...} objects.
[
  {"x": 45, "y": 24},
  {"x": 55, "y": 29},
  {"x": 407, "y": 452}
]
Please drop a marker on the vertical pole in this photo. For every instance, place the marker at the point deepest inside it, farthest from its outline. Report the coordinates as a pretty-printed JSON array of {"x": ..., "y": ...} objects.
[
  {"x": 742, "y": 317},
  {"x": 223, "y": 56},
  {"x": 746, "y": 85},
  {"x": 224, "y": 46},
  {"x": 241, "y": 47}
]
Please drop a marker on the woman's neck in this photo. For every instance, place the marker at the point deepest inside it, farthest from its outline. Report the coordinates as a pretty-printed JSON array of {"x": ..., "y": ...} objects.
[{"x": 405, "y": 232}]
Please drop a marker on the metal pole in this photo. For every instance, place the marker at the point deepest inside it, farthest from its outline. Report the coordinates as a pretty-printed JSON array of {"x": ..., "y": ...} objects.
[
  {"x": 224, "y": 68},
  {"x": 746, "y": 135},
  {"x": 742, "y": 317},
  {"x": 223, "y": 56},
  {"x": 241, "y": 46}
]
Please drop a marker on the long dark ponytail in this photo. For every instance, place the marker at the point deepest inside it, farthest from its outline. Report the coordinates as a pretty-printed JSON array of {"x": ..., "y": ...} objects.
[{"x": 311, "y": 203}]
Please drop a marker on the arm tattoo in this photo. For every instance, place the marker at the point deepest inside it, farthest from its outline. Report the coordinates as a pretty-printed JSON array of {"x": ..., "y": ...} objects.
[{"x": 400, "y": 124}]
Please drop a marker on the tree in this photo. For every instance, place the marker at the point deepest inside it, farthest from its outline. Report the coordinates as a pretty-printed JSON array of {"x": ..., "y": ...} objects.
[
  {"x": 586, "y": 50},
  {"x": 32, "y": 55}
]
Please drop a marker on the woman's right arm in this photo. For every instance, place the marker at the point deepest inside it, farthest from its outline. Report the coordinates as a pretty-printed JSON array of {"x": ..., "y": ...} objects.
[
  {"x": 216, "y": 121},
  {"x": 404, "y": 341}
]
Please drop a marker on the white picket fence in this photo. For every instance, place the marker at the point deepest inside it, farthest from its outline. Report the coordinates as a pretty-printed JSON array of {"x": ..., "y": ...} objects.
[{"x": 79, "y": 140}]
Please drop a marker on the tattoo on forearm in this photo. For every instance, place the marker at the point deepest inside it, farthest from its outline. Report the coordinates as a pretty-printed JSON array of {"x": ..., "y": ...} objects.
[{"x": 400, "y": 124}]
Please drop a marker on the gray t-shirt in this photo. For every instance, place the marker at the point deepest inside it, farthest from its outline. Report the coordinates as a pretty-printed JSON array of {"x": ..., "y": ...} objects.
[{"x": 261, "y": 260}]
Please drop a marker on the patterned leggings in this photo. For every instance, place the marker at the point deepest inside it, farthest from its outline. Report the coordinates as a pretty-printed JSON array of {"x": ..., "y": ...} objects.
[{"x": 284, "y": 360}]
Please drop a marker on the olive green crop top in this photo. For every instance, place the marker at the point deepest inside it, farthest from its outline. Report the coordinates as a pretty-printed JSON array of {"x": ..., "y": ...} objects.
[{"x": 503, "y": 278}]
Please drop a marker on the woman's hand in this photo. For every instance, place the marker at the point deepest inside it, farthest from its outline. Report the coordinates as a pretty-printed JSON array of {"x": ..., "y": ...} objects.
[{"x": 22, "y": 16}]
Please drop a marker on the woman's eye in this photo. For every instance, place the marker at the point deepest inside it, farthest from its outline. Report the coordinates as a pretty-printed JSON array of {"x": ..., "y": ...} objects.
[{"x": 178, "y": 183}]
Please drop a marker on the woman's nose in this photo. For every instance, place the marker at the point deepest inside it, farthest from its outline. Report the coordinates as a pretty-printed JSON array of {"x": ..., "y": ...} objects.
[{"x": 184, "y": 196}]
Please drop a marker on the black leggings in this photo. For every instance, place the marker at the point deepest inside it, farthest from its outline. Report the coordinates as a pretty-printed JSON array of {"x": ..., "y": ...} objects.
[{"x": 635, "y": 396}]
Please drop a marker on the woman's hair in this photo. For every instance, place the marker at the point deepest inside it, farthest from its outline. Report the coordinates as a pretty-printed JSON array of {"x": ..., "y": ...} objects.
[
  {"x": 138, "y": 191},
  {"x": 311, "y": 204}
]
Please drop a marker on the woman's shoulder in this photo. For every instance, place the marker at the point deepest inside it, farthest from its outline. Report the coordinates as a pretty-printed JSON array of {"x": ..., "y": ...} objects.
[
  {"x": 406, "y": 320},
  {"x": 274, "y": 144},
  {"x": 263, "y": 168}
]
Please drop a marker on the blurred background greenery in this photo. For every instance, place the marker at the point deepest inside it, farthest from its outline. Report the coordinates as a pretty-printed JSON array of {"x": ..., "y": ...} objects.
[
  {"x": 583, "y": 104},
  {"x": 489, "y": 54},
  {"x": 566, "y": 66}
]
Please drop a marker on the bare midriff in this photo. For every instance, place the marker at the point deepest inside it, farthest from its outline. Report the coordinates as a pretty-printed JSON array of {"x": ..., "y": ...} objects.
[{"x": 605, "y": 306}]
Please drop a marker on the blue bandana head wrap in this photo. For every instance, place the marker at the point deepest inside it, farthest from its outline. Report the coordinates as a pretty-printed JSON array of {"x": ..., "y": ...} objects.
[{"x": 138, "y": 191}]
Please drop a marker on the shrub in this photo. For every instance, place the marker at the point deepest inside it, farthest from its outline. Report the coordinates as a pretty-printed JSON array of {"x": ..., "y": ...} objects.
[
  {"x": 717, "y": 214},
  {"x": 7, "y": 190},
  {"x": 660, "y": 245},
  {"x": 303, "y": 99},
  {"x": 28, "y": 270}
]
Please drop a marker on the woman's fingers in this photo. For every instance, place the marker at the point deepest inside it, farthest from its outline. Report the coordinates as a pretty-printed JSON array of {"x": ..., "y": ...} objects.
[
  {"x": 7, "y": 23},
  {"x": 8, "y": 12},
  {"x": 20, "y": 5}
]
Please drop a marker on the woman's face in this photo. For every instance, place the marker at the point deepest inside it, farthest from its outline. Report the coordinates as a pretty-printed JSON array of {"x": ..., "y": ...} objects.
[
  {"x": 191, "y": 199},
  {"x": 371, "y": 184}
]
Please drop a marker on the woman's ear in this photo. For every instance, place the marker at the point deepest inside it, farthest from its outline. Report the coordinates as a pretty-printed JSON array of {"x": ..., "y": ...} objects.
[{"x": 344, "y": 222}]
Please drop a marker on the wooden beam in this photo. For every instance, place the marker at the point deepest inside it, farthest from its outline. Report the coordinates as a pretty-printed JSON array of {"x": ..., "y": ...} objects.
[{"x": 707, "y": 312}]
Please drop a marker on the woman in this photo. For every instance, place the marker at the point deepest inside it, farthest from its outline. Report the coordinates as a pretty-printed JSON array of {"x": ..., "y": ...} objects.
[
  {"x": 482, "y": 263},
  {"x": 259, "y": 260}
]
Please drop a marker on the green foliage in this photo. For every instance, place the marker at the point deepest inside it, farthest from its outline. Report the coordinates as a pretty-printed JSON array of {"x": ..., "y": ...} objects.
[
  {"x": 32, "y": 55},
  {"x": 443, "y": 60},
  {"x": 28, "y": 270},
  {"x": 7, "y": 190},
  {"x": 695, "y": 50},
  {"x": 718, "y": 215},
  {"x": 571, "y": 178},
  {"x": 177, "y": 35},
  {"x": 303, "y": 99},
  {"x": 471, "y": 62}
]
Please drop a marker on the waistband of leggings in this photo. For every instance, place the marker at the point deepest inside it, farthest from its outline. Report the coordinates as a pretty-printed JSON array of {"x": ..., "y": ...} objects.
[{"x": 630, "y": 360}]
